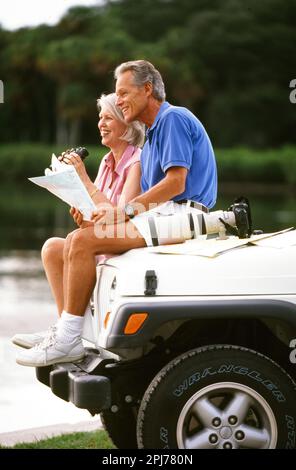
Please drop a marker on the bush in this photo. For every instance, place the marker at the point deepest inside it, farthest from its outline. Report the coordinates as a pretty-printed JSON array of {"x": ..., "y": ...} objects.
[
  {"x": 20, "y": 161},
  {"x": 246, "y": 165},
  {"x": 288, "y": 163}
]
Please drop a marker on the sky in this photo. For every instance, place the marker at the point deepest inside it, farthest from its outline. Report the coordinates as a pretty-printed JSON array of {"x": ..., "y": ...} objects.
[{"x": 15, "y": 14}]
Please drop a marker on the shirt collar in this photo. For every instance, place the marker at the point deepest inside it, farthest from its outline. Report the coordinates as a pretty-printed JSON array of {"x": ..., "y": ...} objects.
[
  {"x": 110, "y": 160},
  {"x": 165, "y": 105}
]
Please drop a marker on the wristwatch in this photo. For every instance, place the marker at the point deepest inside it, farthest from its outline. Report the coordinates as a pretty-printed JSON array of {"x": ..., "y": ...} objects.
[{"x": 129, "y": 211}]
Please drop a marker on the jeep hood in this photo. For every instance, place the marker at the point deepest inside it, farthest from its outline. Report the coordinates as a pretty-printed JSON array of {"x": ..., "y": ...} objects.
[{"x": 266, "y": 269}]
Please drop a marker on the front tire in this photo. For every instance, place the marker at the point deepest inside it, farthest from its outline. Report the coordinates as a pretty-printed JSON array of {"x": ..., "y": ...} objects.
[
  {"x": 221, "y": 397},
  {"x": 121, "y": 427}
]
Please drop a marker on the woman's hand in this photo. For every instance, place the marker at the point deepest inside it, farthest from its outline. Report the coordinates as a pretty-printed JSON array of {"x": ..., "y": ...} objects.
[
  {"x": 78, "y": 218},
  {"x": 72, "y": 158}
]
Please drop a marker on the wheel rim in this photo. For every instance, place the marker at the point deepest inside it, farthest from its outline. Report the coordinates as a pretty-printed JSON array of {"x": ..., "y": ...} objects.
[{"x": 226, "y": 415}]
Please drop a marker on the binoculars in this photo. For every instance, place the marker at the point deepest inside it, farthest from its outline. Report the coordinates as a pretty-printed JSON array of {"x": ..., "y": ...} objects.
[{"x": 81, "y": 151}]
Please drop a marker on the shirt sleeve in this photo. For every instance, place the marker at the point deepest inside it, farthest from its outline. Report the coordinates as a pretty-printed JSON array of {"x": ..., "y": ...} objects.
[
  {"x": 135, "y": 158},
  {"x": 175, "y": 146}
]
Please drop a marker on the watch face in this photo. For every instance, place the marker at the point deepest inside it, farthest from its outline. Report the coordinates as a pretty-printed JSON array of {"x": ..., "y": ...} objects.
[{"x": 129, "y": 210}]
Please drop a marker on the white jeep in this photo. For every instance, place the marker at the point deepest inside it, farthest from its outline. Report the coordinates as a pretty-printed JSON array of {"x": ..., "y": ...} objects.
[{"x": 194, "y": 346}]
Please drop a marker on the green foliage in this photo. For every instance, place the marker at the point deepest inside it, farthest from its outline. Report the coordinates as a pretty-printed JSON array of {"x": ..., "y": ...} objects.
[
  {"x": 78, "y": 440},
  {"x": 59, "y": 58},
  {"x": 246, "y": 165},
  {"x": 230, "y": 62},
  {"x": 288, "y": 163},
  {"x": 20, "y": 161}
]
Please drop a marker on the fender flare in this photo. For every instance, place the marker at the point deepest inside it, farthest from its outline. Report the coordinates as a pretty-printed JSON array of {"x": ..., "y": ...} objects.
[{"x": 163, "y": 312}]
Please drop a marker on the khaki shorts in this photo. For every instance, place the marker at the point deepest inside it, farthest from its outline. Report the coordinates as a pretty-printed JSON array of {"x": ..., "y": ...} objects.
[{"x": 169, "y": 223}]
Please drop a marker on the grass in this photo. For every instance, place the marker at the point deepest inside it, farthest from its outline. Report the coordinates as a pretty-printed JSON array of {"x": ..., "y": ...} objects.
[{"x": 78, "y": 440}]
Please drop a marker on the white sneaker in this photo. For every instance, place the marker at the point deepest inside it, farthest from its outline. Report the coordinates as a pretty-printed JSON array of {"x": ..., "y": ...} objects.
[
  {"x": 32, "y": 339},
  {"x": 51, "y": 351}
]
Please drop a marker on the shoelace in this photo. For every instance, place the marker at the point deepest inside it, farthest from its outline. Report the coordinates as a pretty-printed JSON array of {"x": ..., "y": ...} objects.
[{"x": 49, "y": 340}]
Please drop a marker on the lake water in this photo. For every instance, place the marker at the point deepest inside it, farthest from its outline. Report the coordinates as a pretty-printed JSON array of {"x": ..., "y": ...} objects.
[
  {"x": 30, "y": 215},
  {"x": 26, "y": 305}
]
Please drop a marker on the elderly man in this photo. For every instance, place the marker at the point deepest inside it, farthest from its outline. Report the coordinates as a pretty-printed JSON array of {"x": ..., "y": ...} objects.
[{"x": 178, "y": 179}]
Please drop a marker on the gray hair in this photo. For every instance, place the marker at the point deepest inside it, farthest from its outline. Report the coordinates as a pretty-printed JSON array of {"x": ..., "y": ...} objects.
[
  {"x": 143, "y": 72},
  {"x": 135, "y": 132}
]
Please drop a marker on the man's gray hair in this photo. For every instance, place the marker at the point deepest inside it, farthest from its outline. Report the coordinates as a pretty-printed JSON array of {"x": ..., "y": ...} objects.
[
  {"x": 135, "y": 132},
  {"x": 144, "y": 72}
]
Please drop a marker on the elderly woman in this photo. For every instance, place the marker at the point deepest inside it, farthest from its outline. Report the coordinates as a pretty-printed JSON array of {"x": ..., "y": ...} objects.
[{"x": 118, "y": 181}]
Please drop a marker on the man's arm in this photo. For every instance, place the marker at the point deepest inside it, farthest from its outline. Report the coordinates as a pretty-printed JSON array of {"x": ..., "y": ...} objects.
[
  {"x": 175, "y": 153},
  {"x": 170, "y": 186}
]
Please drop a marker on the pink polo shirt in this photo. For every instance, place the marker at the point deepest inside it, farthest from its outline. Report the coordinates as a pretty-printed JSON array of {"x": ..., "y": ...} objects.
[{"x": 110, "y": 178}]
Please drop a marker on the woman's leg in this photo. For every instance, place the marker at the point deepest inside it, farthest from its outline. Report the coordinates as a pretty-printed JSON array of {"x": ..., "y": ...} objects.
[
  {"x": 52, "y": 259},
  {"x": 81, "y": 278},
  {"x": 54, "y": 256},
  {"x": 85, "y": 245},
  {"x": 66, "y": 250}
]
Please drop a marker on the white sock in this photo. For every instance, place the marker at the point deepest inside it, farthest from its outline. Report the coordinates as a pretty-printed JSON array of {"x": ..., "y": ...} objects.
[{"x": 69, "y": 327}]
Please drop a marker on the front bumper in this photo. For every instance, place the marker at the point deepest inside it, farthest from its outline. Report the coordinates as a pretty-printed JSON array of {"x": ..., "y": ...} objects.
[{"x": 80, "y": 383}]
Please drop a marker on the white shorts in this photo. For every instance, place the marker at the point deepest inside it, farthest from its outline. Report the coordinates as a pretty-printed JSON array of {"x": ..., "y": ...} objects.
[{"x": 170, "y": 223}]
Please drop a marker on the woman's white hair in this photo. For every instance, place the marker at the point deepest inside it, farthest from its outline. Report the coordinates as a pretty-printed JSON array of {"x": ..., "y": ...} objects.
[{"x": 135, "y": 132}]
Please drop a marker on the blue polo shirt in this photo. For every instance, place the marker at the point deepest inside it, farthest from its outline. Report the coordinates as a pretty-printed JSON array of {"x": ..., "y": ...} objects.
[{"x": 177, "y": 138}]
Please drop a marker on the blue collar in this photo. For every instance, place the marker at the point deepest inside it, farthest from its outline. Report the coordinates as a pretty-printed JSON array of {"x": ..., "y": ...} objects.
[{"x": 165, "y": 105}]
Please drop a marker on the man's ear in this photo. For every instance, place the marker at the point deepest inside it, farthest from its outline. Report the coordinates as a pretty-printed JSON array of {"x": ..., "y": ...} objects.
[{"x": 148, "y": 88}]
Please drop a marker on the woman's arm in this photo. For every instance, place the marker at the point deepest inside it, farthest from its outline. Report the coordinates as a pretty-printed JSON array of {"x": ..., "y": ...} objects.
[
  {"x": 97, "y": 196},
  {"x": 131, "y": 188}
]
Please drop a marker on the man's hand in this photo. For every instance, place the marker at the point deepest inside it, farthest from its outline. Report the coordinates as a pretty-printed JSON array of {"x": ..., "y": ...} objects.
[
  {"x": 78, "y": 218},
  {"x": 109, "y": 216}
]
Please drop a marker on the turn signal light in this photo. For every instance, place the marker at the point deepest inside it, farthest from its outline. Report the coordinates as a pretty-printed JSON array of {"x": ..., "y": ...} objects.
[
  {"x": 134, "y": 323},
  {"x": 106, "y": 319}
]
